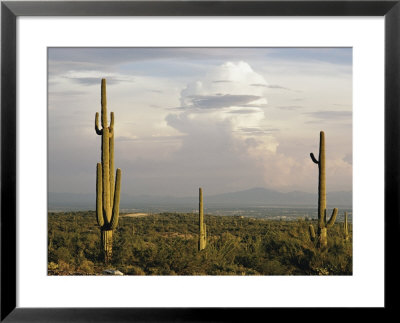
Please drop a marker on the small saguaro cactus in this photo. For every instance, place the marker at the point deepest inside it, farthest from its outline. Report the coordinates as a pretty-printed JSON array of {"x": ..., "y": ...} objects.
[
  {"x": 323, "y": 225},
  {"x": 107, "y": 196},
  {"x": 312, "y": 232},
  {"x": 345, "y": 227},
  {"x": 202, "y": 226}
]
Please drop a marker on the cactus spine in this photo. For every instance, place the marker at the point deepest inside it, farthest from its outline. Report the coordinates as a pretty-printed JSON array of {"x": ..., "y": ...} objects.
[
  {"x": 107, "y": 196},
  {"x": 202, "y": 226},
  {"x": 345, "y": 227},
  {"x": 323, "y": 225}
]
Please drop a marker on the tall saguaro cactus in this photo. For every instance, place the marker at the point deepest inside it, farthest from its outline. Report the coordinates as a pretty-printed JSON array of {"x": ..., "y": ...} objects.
[
  {"x": 346, "y": 227},
  {"x": 202, "y": 226},
  {"x": 107, "y": 196},
  {"x": 323, "y": 225}
]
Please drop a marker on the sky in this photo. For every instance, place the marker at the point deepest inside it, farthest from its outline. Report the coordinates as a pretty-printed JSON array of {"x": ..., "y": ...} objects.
[{"x": 225, "y": 119}]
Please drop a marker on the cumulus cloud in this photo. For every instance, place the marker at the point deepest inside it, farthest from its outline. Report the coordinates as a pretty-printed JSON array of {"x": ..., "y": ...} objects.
[
  {"x": 259, "y": 131},
  {"x": 272, "y": 86},
  {"x": 219, "y": 100},
  {"x": 227, "y": 85},
  {"x": 232, "y": 104},
  {"x": 224, "y": 127}
]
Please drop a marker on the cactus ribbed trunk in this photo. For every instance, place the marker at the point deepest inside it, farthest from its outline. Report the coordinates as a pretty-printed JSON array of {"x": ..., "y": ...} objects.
[
  {"x": 346, "y": 227},
  {"x": 321, "y": 184},
  {"x": 202, "y": 226},
  {"x": 106, "y": 245},
  {"x": 107, "y": 189},
  {"x": 323, "y": 224},
  {"x": 322, "y": 237}
]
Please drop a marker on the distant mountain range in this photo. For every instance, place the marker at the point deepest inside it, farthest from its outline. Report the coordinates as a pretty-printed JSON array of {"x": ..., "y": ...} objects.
[{"x": 248, "y": 198}]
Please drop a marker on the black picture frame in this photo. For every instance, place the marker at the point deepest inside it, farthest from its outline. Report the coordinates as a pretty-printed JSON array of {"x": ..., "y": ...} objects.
[{"x": 10, "y": 10}]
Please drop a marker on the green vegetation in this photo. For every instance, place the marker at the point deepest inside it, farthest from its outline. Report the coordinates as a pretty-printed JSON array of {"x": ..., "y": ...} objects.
[
  {"x": 323, "y": 225},
  {"x": 167, "y": 244},
  {"x": 107, "y": 198}
]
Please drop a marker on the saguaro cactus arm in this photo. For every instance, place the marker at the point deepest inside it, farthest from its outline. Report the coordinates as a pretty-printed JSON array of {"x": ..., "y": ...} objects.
[
  {"x": 111, "y": 128},
  {"x": 313, "y": 158},
  {"x": 99, "y": 197},
  {"x": 96, "y": 125},
  {"x": 115, "y": 211},
  {"x": 312, "y": 232},
  {"x": 333, "y": 218}
]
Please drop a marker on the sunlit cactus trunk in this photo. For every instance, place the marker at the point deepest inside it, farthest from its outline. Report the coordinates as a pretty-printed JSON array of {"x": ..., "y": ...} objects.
[
  {"x": 346, "y": 227},
  {"x": 106, "y": 244},
  {"x": 202, "y": 226},
  {"x": 323, "y": 225},
  {"x": 107, "y": 191}
]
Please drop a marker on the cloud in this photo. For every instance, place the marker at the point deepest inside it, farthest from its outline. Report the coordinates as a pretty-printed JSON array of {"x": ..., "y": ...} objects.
[
  {"x": 93, "y": 77},
  {"x": 290, "y": 107},
  {"x": 321, "y": 121},
  {"x": 66, "y": 93},
  {"x": 222, "y": 81},
  {"x": 348, "y": 158},
  {"x": 243, "y": 111},
  {"x": 219, "y": 101},
  {"x": 224, "y": 132},
  {"x": 258, "y": 131},
  {"x": 332, "y": 114},
  {"x": 126, "y": 138},
  {"x": 93, "y": 80},
  {"x": 232, "y": 89},
  {"x": 329, "y": 115},
  {"x": 152, "y": 139},
  {"x": 260, "y": 85},
  {"x": 271, "y": 86}
]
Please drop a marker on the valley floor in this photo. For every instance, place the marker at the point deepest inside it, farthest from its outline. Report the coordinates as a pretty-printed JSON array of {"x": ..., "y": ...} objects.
[{"x": 167, "y": 244}]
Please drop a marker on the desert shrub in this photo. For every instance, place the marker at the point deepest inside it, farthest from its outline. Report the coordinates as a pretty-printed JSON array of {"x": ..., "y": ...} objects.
[
  {"x": 65, "y": 267},
  {"x": 52, "y": 266},
  {"x": 166, "y": 244},
  {"x": 87, "y": 266},
  {"x": 63, "y": 254},
  {"x": 134, "y": 270},
  {"x": 273, "y": 267}
]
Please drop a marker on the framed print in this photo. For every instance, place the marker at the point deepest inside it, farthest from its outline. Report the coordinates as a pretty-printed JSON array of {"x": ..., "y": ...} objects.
[{"x": 156, "y": 158}]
